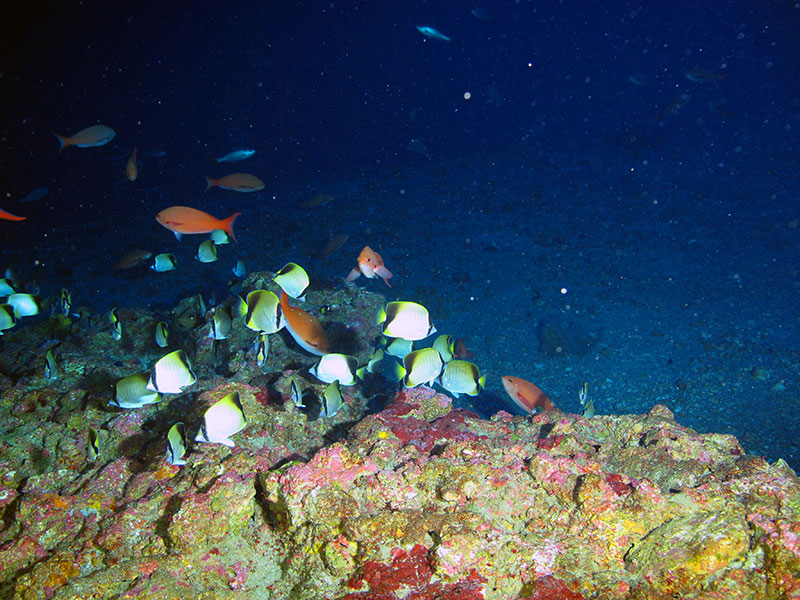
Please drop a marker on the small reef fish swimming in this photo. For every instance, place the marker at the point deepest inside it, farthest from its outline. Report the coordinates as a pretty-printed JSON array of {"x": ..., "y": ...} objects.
[
  {"x": 420, "y": 366},
  {"x": 407, "y": 320},
  {"x": 336, "y": 367},
  {"x": 207, "y": 252},
  {"x": 304, "y": 328},
  {"x": 462, "y": 377},
  {"x": 162, "y": 334},
  {"x": 432, "y": 33},
  {"x": 526, "y": 395},
  {"x": 132, "y": 392},
  {"x": 701, "y": 75},
  {"x": 9, "y": 217},
  {"x": 176, "y": 444},
  {"x": 316, "y": 200},
  {"x": 37, "y": 194},
  {"x": 236, "y": 182},
  {"x": 131, "y": 169},
  {"x": 131, "y": 259},
  {"x": 171, "y": 373},
  {"x": 292, "y": 279},
  {"x": 370, "y": 265},
  {"x": 184, "y": 220},
  {"x": 163, "y": 262},
  {"x": 236, "y": 155},
  {"x": 91, "y": 137},
  {"x": 263, "y": 312},
  {"x": 332, "y": 400},
  {"x": 222, "y": 420},
  {"x": 673, "y": 107}
]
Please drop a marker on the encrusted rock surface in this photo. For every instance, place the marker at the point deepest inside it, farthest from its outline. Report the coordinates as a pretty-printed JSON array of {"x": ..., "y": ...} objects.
[{"x": 417, "y": 501}]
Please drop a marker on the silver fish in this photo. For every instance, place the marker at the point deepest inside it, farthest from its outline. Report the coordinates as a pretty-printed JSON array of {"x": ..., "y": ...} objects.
[{"x": 236, "y": 155}]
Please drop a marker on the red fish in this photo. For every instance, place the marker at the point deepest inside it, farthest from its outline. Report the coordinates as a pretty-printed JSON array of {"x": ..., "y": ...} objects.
[
  {"x": 237, "y": 182},
  {"x": 370, "y": 265},
  {"x": 305, "y": 328},
  {"x": 9, "y": 217},
  {"x": 526, "y": 395},
  {"x": 131, "y": 169},
  {"x": 182, "y": 219}
]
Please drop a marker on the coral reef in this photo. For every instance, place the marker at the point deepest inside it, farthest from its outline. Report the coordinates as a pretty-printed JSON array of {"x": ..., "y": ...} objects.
[{"x": 418, "y": 500}]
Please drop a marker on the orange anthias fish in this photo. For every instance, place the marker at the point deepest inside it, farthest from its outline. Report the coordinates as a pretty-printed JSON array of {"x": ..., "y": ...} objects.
[
  {"x": 9, "y": 217},
  {"x": 305, "y": 328},
  {"x": 370, "y": 265},
  {"x": 526, "y": 395},
  {"x": 131, "y": 170},
  {"x": 238, "y": 182},
  {"x": 182, "y": 219},
  {"x": 91, "y": 137}
]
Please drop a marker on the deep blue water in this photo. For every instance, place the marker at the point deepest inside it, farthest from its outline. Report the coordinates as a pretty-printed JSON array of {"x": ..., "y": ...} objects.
[{"x": 562, "y": 192}]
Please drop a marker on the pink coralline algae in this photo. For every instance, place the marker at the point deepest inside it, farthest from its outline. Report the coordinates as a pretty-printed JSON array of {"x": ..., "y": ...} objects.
[{"x": 418, "y": 501}]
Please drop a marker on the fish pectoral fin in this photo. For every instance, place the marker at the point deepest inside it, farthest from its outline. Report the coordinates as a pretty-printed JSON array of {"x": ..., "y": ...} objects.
[{"x": 177, "y": 235}]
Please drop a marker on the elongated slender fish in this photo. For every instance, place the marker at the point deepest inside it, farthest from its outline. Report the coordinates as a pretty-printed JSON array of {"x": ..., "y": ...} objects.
[
  {"x": 236, "y": 182},
  {"x": 9, "y": 217},
  {"x": 432, "y": 33},
  {"x": 236, "y": 155}
]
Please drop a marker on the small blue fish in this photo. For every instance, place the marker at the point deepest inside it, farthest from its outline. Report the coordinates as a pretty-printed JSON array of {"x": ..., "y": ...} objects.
[
  {"x": 432, "y": 33},
  {"x": 236, "y": 155},
  {"x": 37, "y": 194}
]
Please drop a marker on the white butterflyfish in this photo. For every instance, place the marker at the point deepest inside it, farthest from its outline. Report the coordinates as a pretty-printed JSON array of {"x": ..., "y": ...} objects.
[
  {"x": 293, "y": 280},
  {"x": 171, "y": 374},
  {"x": 462, "y": 377},
  {"x": 176, "y": 444},
  {"x": 398, "y": 347},
  {"x": 240, "y": 269},
  {"x": 24, "y": 305},
  {"x": 207, "y": 252},
  {"x": 163, "y": 262},
  {"x": 162, "y": 334},
  {"x": 132, "y": 392},
  {"x": 332, "y": 400},
  {"x": 92, "y": 445},
  {"x": 220, "y": 237},
  {"x": 7, "y": 318},
  {"x": 50, "y": 365},
  {"x": 407, "y": 320},
  {"x": 332, "y": 367},
  {"x": 263, "y": 312},
  {"x": 296, "y": 392},
  {"x": 445, "y": 344},
  {"x": 116, "y": 324},
  {"x": 420, "y": 366},
  {"x": 222, "y": 420},
  {"x": 6, "y": 287},
  {"x": 221, "y": 324},
  {"x": 262, "y": 349}
]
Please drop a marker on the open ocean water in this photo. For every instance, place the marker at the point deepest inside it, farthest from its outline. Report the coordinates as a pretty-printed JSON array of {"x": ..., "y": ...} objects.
[{"x": 607, "y": 195}]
